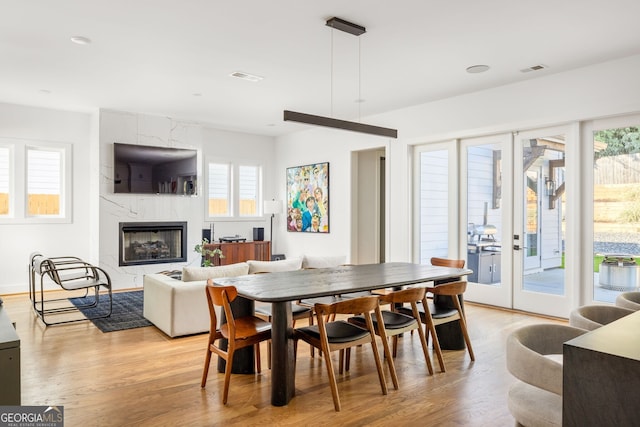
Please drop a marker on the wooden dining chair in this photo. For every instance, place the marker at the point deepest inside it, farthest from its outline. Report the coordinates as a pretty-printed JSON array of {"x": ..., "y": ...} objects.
[
  {"x": 445, "y": 262},
  {"x": 433, "y": 315},
  {"x": 338, "y": 335},
  {"x": 240, "y": 332},
  {"x": 396, "y": 323}
]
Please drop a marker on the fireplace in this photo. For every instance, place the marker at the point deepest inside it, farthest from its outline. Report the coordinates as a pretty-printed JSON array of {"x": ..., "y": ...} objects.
[{"x": 152, "y": 243}]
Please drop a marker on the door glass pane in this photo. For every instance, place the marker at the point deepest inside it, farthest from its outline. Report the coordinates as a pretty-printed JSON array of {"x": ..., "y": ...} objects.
[
  {"x": 434, "y": 205},
  {"x": 616, "y": 222},
  {"x": 542, "y": 238},
  {"x": 484, "y": 213}
]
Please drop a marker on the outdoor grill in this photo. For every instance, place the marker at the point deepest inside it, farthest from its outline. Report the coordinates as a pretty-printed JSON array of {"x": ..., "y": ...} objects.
[{"x": 619, "y": 273}]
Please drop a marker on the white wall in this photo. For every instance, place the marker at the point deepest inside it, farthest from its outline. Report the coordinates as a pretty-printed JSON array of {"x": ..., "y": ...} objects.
[{"x": 20, "y": 240}]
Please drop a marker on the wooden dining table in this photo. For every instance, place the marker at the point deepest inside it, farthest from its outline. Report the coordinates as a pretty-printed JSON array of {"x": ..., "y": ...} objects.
[{"x": 282, "y": 288}]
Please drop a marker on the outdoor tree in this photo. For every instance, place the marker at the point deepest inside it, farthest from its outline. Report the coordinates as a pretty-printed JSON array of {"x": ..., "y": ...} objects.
[{"x": 618, "y": 141}]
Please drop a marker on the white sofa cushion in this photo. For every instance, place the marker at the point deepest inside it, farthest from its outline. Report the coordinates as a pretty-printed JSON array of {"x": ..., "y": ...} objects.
[
  {"x": 323, "y": 261},
  {"x": 274, "y": 266},
  {"x": 192, "y": 274}
]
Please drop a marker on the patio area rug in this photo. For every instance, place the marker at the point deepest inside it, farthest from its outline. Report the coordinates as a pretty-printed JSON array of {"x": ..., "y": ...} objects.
[{"x": 127, "y": 311}]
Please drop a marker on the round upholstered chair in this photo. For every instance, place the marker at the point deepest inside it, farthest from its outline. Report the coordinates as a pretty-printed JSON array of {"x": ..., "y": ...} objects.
[
  {"x": 592, "y": 317},
  {"x": 534, "y": 357},
  {"x": 629, "y": 300}
]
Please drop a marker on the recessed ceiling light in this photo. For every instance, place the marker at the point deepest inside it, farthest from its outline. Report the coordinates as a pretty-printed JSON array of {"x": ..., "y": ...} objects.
[
  {"x": 80, "y": 40},
  {"x": 360, "y": 101},
  {"x": 196, "y": 94},
  {"x": 475, "y": 69},
  {"x": 44, "y": 91},
  {"x": 246, "y": 76}
]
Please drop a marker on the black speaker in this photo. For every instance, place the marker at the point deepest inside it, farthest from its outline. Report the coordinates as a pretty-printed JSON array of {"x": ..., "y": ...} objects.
[
  {"x": 206, "y": 234},
  {"x": 277, "y": 257},
  {"x": 258, "y": 234}
]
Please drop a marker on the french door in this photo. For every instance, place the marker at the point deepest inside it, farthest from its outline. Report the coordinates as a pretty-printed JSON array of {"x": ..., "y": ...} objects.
[{"x": 541, "y": 251}]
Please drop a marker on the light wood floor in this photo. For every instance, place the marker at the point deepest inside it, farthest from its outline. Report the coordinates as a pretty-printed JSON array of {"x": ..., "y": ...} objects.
[{"x": 141, "y": 377}]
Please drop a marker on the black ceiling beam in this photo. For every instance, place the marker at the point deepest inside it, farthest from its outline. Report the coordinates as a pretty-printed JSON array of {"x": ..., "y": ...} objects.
[
  {"x": 310, "y": 119},
  {"x": 346, "y": 26}
]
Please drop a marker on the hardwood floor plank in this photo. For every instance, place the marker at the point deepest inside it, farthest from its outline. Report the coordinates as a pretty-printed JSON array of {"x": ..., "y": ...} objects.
[{"x": 142, "y": 377}]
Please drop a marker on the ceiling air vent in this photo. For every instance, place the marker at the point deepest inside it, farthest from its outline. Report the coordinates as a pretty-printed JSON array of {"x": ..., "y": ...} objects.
[
  {"x": 246, "y": 76},
  {"x": 534, "y": 68}
]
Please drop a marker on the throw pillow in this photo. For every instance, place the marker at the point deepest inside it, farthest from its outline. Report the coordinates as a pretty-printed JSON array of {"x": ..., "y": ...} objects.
[
  {"x": 323, "y": 261},
  {"x": 192, "y": 274},
  {"x": 274, "y": 266}
]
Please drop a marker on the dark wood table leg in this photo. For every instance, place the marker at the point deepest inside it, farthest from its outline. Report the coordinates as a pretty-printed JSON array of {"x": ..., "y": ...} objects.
[
  {"x": 244, "y": 358},
  {"x": 282, "y": 356},
  {"x": 449, "y": 334}
]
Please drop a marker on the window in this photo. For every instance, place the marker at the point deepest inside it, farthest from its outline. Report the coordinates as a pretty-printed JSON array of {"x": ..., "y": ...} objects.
[
  {"x": 234, "y": 191},
  {"x": 434, "y": 204},
  {"x": 44, "y": 170},
  {"x": 219, "y": 186},
  {"x": 248, "y": 185},
  {"x": 5, "y": 173},
  {"x": 35, "y": 182}
]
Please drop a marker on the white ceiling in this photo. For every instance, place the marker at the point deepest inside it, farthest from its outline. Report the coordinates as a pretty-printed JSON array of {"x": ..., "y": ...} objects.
[{"x": 152, "y": 56}]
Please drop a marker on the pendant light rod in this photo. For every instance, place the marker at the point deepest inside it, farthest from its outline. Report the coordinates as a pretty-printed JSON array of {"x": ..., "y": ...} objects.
[{"x": 310, "y": 119}]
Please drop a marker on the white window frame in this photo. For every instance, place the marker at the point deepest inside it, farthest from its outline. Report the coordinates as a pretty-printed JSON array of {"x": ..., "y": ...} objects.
[
  {"x": 18, "y": 213},
  {"x": 234, "y": 190}
]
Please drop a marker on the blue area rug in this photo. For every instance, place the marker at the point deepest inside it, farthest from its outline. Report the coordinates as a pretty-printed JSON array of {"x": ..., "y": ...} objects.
[{"x": 126, "y": 314}]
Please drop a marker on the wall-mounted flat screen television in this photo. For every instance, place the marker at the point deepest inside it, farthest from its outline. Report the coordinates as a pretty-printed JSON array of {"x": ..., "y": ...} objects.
[{"x": 145, "y": 169}]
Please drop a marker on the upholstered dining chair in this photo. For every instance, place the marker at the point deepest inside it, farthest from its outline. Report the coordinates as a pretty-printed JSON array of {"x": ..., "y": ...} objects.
[
  {"x": 433, "y": 315},
  {"x": 592, "y": 317},
  {"x": 396, "y": 323},
  {"x": 534, "y": 355},
  {"x": 240, "y": 332},
  {"x": 629, "y": 300},
  {"x": 338, "y": 335}
]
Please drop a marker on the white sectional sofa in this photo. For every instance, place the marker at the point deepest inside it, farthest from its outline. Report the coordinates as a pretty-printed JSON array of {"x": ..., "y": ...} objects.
[{"x": 179, "y": 307}]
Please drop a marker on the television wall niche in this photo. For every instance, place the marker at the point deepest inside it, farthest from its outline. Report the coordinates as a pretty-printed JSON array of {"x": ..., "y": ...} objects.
[{"x": 145, "y": 169}]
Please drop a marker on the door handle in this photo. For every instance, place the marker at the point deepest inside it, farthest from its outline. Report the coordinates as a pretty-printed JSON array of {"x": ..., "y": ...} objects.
[{"x": 518, "y": 248}]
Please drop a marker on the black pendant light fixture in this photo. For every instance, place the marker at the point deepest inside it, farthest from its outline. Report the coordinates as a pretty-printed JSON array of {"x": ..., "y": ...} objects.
[{"x": 310, "y": 119}]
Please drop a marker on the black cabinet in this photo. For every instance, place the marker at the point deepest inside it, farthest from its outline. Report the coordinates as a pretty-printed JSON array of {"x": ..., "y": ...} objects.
[{"x": 485, "y": 266}]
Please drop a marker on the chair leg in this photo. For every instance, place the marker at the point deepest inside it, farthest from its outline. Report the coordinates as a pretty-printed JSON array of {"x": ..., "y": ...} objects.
[
  {"x": 425, "y": 349},
  {"x": 390, "y": 362},
  {"x": 205, "y": 372},
  {"x": 465, "y": 333},
  {"x": 258, "y": 361},
  {"x": 376, "y": 357},
  {"x": 332, "y": 382},
  {"x": 436, "y": 344},
  {"x": 227, "y": 376}
]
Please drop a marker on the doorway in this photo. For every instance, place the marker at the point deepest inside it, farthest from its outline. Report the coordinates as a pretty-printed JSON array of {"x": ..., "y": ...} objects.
[{"x": 369, "y": 206}]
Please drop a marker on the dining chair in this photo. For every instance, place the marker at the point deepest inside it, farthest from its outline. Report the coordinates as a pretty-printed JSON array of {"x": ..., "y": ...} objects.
[
  {"x": 445, "y": 262},
  {"x": 338, "y": 335},
  {"x": 239, "y": 332},
  {"x": 433, "y": 315},
  {"x": 630, "y": 300},
  {"x": 396, "y": 323},
  {"x": 590, "y": 317}
]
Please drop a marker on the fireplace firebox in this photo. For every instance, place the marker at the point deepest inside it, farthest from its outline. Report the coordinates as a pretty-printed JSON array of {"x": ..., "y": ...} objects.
[{"x": 152, "y": 243}]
